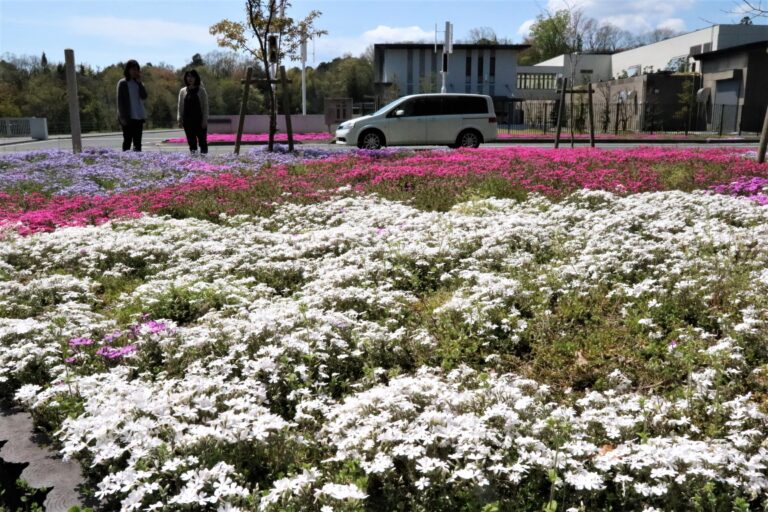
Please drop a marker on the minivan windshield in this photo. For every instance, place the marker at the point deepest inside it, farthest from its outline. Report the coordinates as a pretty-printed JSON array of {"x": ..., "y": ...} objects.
[{"x": 386, "y": 107}]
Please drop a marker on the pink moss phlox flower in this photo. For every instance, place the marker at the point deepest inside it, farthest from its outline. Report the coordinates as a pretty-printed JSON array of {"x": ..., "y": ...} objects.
[{"x": 555, "y": 173}]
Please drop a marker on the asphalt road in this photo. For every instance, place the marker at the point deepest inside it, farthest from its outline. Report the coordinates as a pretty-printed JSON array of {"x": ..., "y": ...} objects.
[{"x": 153, "y": 141}]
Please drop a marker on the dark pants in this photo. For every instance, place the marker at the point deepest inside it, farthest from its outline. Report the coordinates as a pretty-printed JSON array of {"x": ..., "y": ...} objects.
[
  {"x": 196, "y": 134},
  {"x": 132, "y": 134}
]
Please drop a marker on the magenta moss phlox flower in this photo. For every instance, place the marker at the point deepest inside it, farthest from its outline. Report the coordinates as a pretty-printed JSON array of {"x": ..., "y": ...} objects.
[{"x": 152, "y": 327}]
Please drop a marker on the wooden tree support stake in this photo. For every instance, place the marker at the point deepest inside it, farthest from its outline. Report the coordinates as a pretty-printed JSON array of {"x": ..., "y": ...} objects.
[{"x": 241, "y": 122}]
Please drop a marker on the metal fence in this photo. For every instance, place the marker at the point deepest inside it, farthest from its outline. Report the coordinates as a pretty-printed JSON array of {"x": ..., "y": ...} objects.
[
  {"x": 35, "y": 127},
  {"x": 539, "y": 117}
]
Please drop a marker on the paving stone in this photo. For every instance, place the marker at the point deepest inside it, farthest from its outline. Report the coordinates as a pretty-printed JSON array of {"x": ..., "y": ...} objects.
[{"x": 46, "y": 470}]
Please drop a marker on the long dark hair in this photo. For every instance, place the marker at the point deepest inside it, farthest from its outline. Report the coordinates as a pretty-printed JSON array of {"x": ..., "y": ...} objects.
[
  {"x": 128, "y": 65},
  {"x": 195, "y": 76}
]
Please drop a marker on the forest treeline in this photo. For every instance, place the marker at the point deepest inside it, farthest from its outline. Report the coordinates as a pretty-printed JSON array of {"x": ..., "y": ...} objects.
[{"x": 32, "y": 86}]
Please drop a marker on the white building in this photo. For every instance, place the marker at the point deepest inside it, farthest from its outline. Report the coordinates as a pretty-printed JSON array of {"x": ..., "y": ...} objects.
[{"x": 673, "y": 54}]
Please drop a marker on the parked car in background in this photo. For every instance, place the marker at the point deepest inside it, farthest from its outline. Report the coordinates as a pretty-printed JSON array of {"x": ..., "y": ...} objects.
[{"x": 458, "y": 120}]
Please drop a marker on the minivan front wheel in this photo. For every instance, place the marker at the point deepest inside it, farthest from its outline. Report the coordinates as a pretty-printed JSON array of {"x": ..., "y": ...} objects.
[
  {"x": 468, "y": 139},
  {"x": 371, "y": 140}
]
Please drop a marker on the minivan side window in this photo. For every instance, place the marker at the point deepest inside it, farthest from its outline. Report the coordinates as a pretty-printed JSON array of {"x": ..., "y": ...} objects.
[
  {"x": 464, "y": 105},
  {"x": 429, "y": 106}
]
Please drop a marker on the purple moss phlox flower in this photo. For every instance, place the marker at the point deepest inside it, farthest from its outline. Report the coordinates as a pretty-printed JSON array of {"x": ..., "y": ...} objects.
[
  {"x": 80, "y": 342},
  {"x": 70, "y": 360},
  {"x": 754, "y": 186},
  {"x": 109, "y": 338},
  {"x": 116, "y": 352}
]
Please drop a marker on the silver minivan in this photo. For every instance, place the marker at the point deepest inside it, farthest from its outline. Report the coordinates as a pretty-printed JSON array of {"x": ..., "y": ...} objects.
[{"x": 458, "y": 120}]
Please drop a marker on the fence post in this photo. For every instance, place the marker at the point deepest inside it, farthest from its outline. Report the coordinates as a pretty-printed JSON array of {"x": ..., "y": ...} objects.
[
  {"x": 763, "y": 139},
  {"x": 591, "y": 118},
  {"x": 74, "y": 104},
  {"x": 546, "y": 118},
  {"x": 558, "y": 128},
  {"x": 241, "y": 122},
  {"x": 722, "y": 115}
]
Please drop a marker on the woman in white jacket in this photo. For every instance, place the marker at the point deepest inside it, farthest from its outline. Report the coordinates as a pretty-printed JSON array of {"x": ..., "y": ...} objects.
[{"x": 193, "y": 112}]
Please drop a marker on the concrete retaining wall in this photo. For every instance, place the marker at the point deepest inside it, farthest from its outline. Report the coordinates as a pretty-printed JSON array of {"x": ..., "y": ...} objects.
[{"x": 260, "y": 124}]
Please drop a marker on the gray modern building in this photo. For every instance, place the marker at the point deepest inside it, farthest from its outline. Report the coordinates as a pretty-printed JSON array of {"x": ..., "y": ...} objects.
[
  {"x": 411, "y": 68},
  {"x": 734, "y": 91}
]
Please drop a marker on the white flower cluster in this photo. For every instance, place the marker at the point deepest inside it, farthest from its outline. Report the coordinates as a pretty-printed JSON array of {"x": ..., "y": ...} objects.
[
  {"x": 286, "y": 377},
  {"x": 462, "y": 428}
]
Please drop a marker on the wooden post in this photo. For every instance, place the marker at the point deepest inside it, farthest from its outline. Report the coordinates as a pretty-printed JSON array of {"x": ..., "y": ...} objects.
[
  {"x": 591, "y": 118},
  {"x": 763, "y": 139},
  {"x": 241, "y": 122},
  {"x": 560, "y": 113},
  {"x": 74, "y": 104},
  {"x": 286, "y": 108}
]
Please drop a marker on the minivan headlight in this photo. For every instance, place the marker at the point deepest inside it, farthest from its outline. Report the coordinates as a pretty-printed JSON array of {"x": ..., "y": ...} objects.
[{"x": 346, "y": 125}]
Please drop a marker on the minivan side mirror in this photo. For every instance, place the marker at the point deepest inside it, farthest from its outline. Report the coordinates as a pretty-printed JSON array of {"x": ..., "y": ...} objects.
[{"x": 399, "y": 113}]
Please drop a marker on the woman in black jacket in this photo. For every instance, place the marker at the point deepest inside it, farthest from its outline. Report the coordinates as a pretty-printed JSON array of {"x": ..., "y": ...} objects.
[
  {"x": 193, "y": 112},
  {"x": 130, "y": 106}
]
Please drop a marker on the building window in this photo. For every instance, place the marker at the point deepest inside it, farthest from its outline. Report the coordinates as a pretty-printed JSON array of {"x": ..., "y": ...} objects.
[
  {"x": 546, "y": 81},
  {"x": 409, "y": 72},
  {"x": 468, "y": 73}
]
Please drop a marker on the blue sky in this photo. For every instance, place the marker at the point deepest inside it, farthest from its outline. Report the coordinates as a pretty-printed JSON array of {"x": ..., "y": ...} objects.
[{"x": 103, "y": 32}]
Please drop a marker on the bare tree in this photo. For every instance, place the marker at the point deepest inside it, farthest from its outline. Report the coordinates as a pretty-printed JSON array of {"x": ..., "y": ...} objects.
[
  {"x": 751, "y": 9},
  {"x": 482, "y": 35}
]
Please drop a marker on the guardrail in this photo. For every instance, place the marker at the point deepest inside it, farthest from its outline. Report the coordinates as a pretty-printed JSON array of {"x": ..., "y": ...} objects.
[{"x": 35, "y": 127}]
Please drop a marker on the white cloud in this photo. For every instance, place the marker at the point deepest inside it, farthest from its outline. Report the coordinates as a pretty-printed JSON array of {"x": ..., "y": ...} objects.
[
  {"x": 525, "y": 28},
  {"x": 385, "y": 34},
  {"x": 140, "y": 32},
  {"x": 676, "y": 24},
  {"x": 327, "y": 48},
  {"x": 635, "y": 16}
]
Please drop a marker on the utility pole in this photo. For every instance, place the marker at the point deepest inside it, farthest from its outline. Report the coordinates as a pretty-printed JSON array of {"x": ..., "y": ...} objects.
[
  {"x": 447, "y": 50},
  {"x": 74, "y": 104},
  {"x": 304, "y": 75}
]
